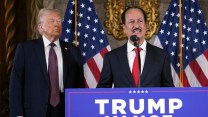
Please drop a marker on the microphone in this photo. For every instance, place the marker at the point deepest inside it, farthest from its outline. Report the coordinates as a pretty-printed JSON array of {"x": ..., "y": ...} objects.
[{"x": 134, "y": 39}]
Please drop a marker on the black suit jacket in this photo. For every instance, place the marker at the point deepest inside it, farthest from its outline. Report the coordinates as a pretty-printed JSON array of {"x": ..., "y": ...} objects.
[
  {"x": 29, "y": 82},
  {"x": 156, "y": 71}
]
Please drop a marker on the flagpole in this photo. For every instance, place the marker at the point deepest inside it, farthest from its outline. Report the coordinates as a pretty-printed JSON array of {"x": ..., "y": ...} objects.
[
  {"x": 75, "y": 23},
  {"x": 180, "y": 45}
]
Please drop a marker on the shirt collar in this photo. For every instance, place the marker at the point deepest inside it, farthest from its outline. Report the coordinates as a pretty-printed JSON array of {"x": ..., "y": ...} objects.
[
  {"x": 47, "y": 42},
  {"x": 143, "y": 46},
  {"x": 131, "y": 47}
]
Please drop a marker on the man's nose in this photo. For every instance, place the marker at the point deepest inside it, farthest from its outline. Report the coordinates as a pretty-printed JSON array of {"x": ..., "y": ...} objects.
[
  {"x": 137, "y": 24},
  {"x": 57, "y": 22}
]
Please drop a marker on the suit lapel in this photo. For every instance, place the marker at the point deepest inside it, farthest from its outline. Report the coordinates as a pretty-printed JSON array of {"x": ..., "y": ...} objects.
[
  {"x": 149, "y": 59},
  {"x": 64, "y": 50},
  {"x": 124, "y": 63},
  {"x": 39, "y": 49}
]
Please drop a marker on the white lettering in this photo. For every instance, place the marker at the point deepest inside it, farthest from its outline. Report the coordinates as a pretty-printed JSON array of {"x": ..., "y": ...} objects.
[
  {"x": 161, "y": 116},
  {"x": 132, "y": 106},
  {"x": 174, "y": 104},
  {"x": 167, "y": 116},
  {"x": 102, "y": 103},
  {"x": 160, "y": 104},
  {"x": 118, "y": 105}
]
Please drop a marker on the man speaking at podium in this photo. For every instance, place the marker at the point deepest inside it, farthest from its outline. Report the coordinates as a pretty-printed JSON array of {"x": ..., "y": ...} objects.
[{"x": 137, "y": 63}]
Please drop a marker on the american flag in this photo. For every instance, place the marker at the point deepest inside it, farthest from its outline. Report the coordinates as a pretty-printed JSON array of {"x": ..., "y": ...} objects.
[
  {"x": 92, "y": 40},
  {"x": 194, "y": 43}
]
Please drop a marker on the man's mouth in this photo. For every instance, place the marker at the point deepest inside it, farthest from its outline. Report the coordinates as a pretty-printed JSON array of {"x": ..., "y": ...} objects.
[{"x": 137, "y": 30}]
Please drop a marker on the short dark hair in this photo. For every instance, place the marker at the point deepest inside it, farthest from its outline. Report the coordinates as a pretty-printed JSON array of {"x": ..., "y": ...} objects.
[{"x": 124, "y": 13}]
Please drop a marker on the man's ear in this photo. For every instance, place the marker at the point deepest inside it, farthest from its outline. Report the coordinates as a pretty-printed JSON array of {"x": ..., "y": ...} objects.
[
  {"x": 40, "y": 28},
  {"x": 124, "y": 29}
]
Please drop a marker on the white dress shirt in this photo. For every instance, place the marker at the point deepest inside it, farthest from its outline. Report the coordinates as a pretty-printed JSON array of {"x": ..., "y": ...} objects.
[
  {"x": 57, "y": 49},
  {"x": 131, "y": 54}
]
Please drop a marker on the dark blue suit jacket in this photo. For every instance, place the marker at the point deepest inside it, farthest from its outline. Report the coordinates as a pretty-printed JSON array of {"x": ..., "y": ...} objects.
[
  {"x": 156, "y": 71},
  {"x": 29, "y": 82}
]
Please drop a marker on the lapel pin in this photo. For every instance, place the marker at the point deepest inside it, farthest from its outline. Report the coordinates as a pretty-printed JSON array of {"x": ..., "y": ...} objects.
[{"x": 65, "y": 48}]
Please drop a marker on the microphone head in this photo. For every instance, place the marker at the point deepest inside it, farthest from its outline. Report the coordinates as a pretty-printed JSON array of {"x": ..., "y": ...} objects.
[{"x": 134, "y": 38}]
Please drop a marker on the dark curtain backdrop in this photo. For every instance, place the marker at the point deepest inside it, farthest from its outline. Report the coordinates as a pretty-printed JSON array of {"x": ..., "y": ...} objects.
[{"x": 8, "y": 43}]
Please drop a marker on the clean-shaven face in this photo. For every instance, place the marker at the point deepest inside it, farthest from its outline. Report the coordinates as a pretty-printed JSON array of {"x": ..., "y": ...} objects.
[{"x": 52, "y": 25}]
